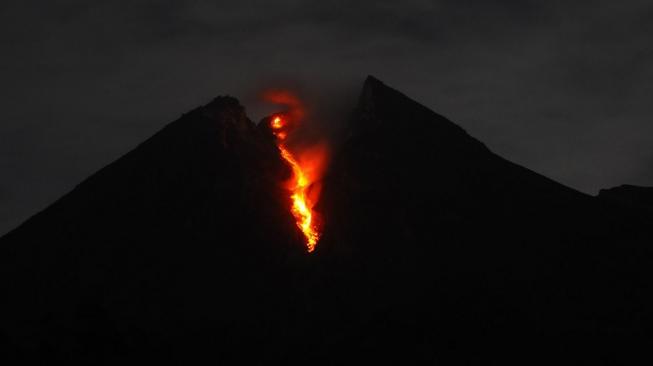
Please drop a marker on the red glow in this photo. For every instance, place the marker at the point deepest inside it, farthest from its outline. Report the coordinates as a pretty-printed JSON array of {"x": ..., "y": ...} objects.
[
  {"x": 295, "y": 107},
  {"x": 307, "y": 166}
]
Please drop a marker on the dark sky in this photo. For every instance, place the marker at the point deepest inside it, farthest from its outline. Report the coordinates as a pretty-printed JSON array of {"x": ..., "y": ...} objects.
[{"x": 562, "y": 87}]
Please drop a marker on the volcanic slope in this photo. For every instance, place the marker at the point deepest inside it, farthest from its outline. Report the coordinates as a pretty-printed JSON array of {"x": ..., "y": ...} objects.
[
  {"x": 447, "y": 251},
  {"x": 434, "y": 249}
]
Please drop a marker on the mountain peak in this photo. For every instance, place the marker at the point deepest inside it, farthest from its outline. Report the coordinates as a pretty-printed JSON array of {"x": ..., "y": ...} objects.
[
  {"x": 372, "y": 81},
  {"x": 383, "y": 107},
  {"x": 228, "y": 110},
  {"x": 223, "y": 104}
]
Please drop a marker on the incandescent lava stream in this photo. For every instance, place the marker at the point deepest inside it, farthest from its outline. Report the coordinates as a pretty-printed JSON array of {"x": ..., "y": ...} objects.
[{"x": 299, "y": 185}]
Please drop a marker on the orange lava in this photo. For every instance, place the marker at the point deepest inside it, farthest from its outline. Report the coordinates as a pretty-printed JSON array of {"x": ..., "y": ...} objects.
[{"x": 299, "y": 186}]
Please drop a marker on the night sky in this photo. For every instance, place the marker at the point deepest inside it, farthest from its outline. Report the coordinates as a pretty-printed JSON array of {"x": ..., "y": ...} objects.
[{"x": 561, "y": 87}]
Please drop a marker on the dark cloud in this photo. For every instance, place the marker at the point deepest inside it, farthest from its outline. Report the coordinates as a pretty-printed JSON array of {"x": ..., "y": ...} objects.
[{"x": 561, "y": 87}]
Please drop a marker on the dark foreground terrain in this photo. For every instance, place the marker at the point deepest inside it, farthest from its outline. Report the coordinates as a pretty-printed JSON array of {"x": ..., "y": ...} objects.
[{"x": 183, "y": 251}]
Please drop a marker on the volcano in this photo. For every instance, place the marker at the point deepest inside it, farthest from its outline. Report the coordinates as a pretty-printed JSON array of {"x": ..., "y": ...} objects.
[{"x": 432, "y": 249}]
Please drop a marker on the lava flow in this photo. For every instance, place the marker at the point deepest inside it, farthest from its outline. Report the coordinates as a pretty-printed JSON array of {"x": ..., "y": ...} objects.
[{"x": 299, "y": 186}]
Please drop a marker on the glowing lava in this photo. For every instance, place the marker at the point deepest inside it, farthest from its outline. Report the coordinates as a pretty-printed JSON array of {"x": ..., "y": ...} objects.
[{"x": 302, "y": 205}]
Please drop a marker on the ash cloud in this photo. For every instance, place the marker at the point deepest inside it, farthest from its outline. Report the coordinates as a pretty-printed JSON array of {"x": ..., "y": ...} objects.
[{"x": 560, "y": 87}]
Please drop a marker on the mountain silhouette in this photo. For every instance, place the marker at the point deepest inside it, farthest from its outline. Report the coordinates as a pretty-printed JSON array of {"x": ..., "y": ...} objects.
[
  {"x": 629, "y": 195},
  {"x": 434, "y": 249}
]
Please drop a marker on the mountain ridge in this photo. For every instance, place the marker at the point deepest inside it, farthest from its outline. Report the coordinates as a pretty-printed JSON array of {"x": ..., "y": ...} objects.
[{"x": 434, "y": 249}]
